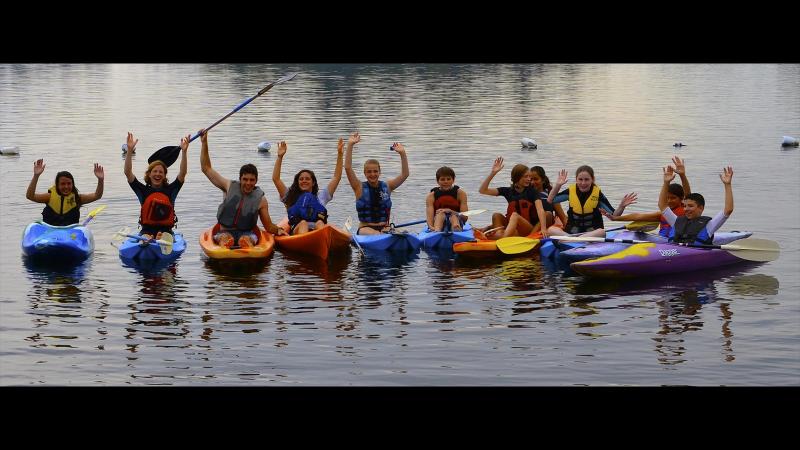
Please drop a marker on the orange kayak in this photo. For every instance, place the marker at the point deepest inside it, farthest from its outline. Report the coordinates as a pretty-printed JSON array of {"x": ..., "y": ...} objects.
[
  {"x": 264, "y": 247},
  {"x": 319, "y": 242},
  {"x": 482, "y": 248}
]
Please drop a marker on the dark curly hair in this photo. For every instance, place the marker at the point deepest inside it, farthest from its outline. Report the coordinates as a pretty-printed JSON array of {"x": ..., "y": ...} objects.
[{"x": 294, "y": 190}]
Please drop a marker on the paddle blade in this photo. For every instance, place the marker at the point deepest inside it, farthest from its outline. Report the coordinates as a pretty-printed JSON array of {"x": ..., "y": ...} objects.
[
  {"x": 286, "y": 78},
  {"x": 644, "y": 227},
  {"x": 168, "y": 155},
  {"x": 515, "y": 245},
  {"x": 753, "y": 249},
  {"x": 91, "y": 215},
  {"x": 166, "y": 243},
  {"x": 120, "y": 235},
  {"x": 473, "y": 212}
]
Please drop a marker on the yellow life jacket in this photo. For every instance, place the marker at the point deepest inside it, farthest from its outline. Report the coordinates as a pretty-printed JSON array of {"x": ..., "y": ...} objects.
[
  {"x": 591, "y": 202},
  {"x": 61, "y": 210}
]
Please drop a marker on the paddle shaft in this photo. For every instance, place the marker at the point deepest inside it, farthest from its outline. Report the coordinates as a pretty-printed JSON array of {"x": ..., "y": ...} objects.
[
  {"x": 147, "y": 239},
  {"x": 409, "y": 223},
  {"x": 728, "y": 247}
]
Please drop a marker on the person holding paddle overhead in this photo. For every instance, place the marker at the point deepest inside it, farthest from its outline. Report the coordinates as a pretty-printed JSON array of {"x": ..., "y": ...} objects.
[
  {"x": 157, "y": 195},
  {"x": 244, "y": 203},
  {"x": 675, "y": 195},
  {"x": 373, "y": 197},
  {"x": 585, "y": 202},
  {"x": 446, "y": 202},
  {"x": 525, "y": 212},
  {"x": 305, "y": 203},
  {"x": 693, "y": 227},
  {"x": 63, "y": 202}
]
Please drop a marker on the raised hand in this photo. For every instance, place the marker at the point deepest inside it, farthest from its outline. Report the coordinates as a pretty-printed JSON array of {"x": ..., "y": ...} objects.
[
  {"x": 282, "y": 148},
  {"x": 398, "y": 147},
  {"x": 339, "y": 146},
  {"x": 355, "y": 138},
  {"x": 498, "y": 165},
  {"x": 680, "y": 168},
  {"x": 185, "y": 142},
  {"x": 38, "y": 167},
  {"x": 629, "y": 199},
  {"x": 203, "y": 136},
  {"x": 98, "y": 171},
  {"x": 727, "y": 175},
  {"x": 562, "y": 177},
  {"x": 131, "y": 142},
  {"x": 669, "y": 174},
  {"x": 608, "y": 214}
]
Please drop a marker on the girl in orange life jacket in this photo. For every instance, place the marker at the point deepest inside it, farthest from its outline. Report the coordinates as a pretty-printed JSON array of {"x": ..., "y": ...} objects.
[
  {"x": 585, "y": 201},
  {"x": 446, "y": 201},
  {"x": 244, "y": 203},
  {"x": 305, "y": 203},
  {"x": 157, "y": 195},
  {"x": 373, "y": 197},
  {"x": 541, "y": 182},
  {"x": 525, "y": 212},
  {"x": 675, "y": 195},
  {"x": 62, "y": 199}
]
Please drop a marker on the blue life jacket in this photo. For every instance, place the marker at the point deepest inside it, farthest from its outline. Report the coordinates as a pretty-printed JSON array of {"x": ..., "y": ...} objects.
[
  {"x": 375, "y": 204},
  {"x": 692, "y": 231},
  {"x": 308, "y": 208}
]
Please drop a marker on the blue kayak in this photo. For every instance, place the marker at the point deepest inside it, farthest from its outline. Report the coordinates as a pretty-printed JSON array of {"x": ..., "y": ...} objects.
[
  {"x": 445, "y": 239},
  {"x": 57, "y": 244},
  {"x": 391, "y": 242},
  {"x": 138, "y": 250},
  {"x": 550, "y": 249}
]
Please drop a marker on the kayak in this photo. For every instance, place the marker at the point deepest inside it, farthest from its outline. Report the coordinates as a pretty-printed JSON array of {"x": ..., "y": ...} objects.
[
  {"x": 445, "y": 239},
  {"x": 138, "y": 250},
  {"x": 71, "y": 243},
  {"x": 262, "y": 249},
  {"x": 487, "y": 248},
  {"x": 396, "y": 241},
  {"x": 552, "y": 249},
  {"x": 599, "y": 249},
  {"x": 649, "y": 259},
  {"x": 319, "y": 242}
]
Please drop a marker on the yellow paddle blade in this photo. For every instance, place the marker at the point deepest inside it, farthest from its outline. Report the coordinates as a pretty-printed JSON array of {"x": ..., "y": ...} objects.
[
  {"x": 96, "y": 211},
  {"x": 516, "y": 244},
  {"x": 166, "y": 243},
  {"x": 644, "y": 227}
]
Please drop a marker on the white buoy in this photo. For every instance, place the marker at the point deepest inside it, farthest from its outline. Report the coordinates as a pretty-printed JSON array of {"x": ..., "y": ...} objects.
[
  {"x": 789, "y": 141},
  {"x": 528, "y": 143},
  {"x": 125, "y": 148},
  {"x": 264, "y": 146},
  {"x": 9, "y": 150}
]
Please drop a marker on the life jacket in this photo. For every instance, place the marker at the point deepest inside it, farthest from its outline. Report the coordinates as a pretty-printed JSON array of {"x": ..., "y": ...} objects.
[
  {"x": 583, "y": 217},
  {"x": 157, "y": 211},
  {"x": 308, "y": 208},
  {"x": 665, "y": 227},
  {"x": 446, "y": 199},
  {"x": 524, "y": 208},
  {"x": 239, "y": 211},
  {"x": 692, "y": 231},
  {"x": 375, "y": 204},
  {"x": 61, "y": 210}
]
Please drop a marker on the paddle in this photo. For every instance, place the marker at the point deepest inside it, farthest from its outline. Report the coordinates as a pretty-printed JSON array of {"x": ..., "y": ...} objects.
[
  {"x": 348, "y": 225},
  {"x": 516, "y": 244},
  {"x": 91, "y": 215},
  {"x": 643, "y": 227},
  {"x": 169, "y": 154},
  {"x": 472, "y": 212},
  {"x": 165, "y": 242},
  {"x": 751, "y": 249}
]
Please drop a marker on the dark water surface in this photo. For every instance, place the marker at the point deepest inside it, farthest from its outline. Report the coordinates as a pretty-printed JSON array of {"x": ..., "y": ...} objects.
[{"x": 426, "y": 319}]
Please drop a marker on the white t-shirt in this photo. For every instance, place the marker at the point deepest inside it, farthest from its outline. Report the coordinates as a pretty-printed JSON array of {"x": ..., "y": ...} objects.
[{"x": 712, "y": 226}]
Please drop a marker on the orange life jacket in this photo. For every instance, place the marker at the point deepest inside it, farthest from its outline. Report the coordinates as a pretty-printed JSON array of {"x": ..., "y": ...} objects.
[{"x": 157, "y": 210}]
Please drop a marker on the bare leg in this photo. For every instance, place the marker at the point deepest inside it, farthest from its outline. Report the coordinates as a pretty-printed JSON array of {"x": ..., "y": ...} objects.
[
  {"x": 455, "y": 223},
  {"x": 225, "y": 239},
  {"x": 301, "y": 228},
  {"x": 438, "y": 222}
]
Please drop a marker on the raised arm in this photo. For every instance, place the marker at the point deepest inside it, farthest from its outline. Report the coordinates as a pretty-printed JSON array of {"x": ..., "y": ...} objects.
[
  {"x": 629, "y": 199},
  {"x": 129, "y": 157},
  {"x": 30, "y": 194},
  {"x": 276, "y": 171},
  {"x": 184, "y": 159},
  {"x": 562, "y": 178},
  {"x": 680, "y": 169},
  {"x": 496, "y": 167},
  {"x": 355, "y": 183},
  {"x": 205, "y": 165},
  {"x": 395, "y": 182},
  {"x": 337, "y": 172},
  {"x": 727, "y": 176},
  {"x": 669, "y": 175},
  {"x": 98, "y": 192}
]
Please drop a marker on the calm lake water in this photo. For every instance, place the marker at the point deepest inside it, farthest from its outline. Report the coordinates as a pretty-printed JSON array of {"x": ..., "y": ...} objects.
[{"x": 427, "y": 319}]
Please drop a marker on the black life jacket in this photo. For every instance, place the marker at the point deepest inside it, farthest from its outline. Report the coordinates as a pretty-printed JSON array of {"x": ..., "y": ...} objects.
[
  {"x": 446, "y": 199},
  {"x": 692, "y": 231}
]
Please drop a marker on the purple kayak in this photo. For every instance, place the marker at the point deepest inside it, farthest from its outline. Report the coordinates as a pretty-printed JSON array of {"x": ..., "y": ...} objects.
[
  {"x": 649, "y": 259},
  {"x": 599, "y": 249}
]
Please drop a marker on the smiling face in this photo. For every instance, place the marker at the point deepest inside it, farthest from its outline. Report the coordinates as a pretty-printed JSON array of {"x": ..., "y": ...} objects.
[
  {"x": 248, "y": 183},
  {"x": 536, "y": 180},
  {"x": 584, "y": 180},
  {"x": 372, "y": 172},
  {"x": 692, "y": 210},
  {"x": 305, "y": 181},
  {"x": 445, "y": 182},
  {"x": 673, "y": 201},
  {"x": 156, "y": 175},
  {"x": 64, "y": 185}
]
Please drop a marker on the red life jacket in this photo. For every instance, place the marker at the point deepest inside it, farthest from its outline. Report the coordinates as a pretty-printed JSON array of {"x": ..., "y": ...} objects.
[
  {"x": 157, "y": 210},
  {"x": 524, "y": 208},
  {"x": 446, "y": 199}
]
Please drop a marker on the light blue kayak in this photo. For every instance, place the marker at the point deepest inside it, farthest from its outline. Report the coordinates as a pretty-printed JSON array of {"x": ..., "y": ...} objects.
[
  {"x": 445, "y": 239},
  {"x": 551, "y": 249},
  {"x": 71, "y": 243},
  {"x": 138, "y": 250},
  {"x": 390, "y": 242}
]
